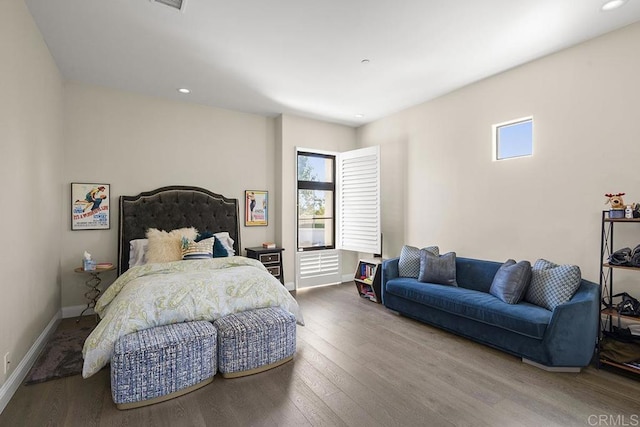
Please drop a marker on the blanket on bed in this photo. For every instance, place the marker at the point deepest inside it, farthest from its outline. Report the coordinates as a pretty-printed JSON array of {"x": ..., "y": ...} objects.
[{"x": 159, "y": 294}]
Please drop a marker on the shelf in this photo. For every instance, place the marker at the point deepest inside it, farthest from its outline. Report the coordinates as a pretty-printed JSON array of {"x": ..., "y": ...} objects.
[
  {"x": 370, "y": 287},
  {"x": 622, "y": 220},
  {"x": 623, "y": 267},
  {"x": 613, "y": 312},
  {"x": 620, "y": 366}
]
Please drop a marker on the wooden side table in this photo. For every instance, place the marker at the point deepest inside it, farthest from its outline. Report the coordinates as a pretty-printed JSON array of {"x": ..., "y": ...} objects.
[
  {"x": 271, "y": 258},
  {"x": 92, "y": 283}
]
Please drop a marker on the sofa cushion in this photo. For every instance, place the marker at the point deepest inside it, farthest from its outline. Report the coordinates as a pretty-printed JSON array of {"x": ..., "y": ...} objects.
[
  {"x": 523, "y": 318},
  {"x": 476, "y": 274},
  {"x": 438, "y": 269},
  {"x": 552, "y": 284},
  {"x": 511, "y": 281},
  {"x": 409, "y": 263}
]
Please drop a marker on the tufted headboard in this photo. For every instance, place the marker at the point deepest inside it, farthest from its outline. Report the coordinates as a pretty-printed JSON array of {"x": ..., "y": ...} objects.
[{"x": 172, "y": 207}]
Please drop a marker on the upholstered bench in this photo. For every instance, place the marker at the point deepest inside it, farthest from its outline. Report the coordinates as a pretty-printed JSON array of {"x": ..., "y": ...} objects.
[
  {"x": 161, "y": 363},
  {"x": 254, "y": 341}
]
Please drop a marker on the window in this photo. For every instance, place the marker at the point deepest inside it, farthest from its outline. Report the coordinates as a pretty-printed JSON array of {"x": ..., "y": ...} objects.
[
  {"x": 316, "y": 195},
  {"x": 513, "y": 139}
]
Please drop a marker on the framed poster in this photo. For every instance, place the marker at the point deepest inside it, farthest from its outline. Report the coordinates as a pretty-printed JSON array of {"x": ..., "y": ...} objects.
[
  {"x": 256, "y": 208},
  {"x": 89, "y": 206}
]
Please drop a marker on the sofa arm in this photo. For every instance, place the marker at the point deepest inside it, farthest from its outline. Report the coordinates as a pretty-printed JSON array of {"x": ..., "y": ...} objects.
[
  {"x": 572, "y": 333},
  {"x": 389, "y": 271}
]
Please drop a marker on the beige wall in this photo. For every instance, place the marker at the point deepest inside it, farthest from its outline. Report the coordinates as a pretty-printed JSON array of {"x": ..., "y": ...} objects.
[
  {"x": 31, "y": 191},
  {"x": 138, "y": 143},
  {"x": 301, "y": 132},
  {"x": 441, "y": 187}
]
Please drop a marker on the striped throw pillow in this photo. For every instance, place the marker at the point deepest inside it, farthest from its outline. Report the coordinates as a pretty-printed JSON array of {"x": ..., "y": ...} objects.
[{"x": 196, "y": 250}]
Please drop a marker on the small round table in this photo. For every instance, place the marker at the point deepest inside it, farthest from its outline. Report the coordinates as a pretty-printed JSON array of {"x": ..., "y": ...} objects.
[{"x": 92, "y": 283}]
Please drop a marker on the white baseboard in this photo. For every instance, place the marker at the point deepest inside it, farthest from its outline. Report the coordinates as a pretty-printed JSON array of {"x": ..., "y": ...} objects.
[
  {"x": 75, "y": 310},
  {"x": 573, "y": 369},
  {"x": 17, "y": 376}
]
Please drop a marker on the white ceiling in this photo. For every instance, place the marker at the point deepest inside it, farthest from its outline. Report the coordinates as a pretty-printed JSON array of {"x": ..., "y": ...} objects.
[{"x": 304, "y": 56}]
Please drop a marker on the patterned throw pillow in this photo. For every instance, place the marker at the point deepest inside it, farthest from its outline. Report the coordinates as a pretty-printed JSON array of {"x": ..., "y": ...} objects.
[
  {"x": 409, "y": 263},
  {"x": 167, "y": 247},
  {"x": 552, "y": 284},
  {"x": 196, "y": 250}
]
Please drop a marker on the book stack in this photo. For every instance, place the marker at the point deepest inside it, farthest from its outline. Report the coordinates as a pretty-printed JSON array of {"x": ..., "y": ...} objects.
[
  {"x": 269, "y": 245},
  {"x": 104, "y": 265}
]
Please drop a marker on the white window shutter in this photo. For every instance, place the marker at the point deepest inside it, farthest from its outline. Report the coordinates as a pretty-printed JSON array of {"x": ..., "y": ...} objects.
[{"x": 359, "y": 200}]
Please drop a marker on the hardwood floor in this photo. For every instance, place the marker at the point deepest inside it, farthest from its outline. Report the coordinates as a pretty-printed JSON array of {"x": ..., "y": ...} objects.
[{"x": 357, "y": 364}]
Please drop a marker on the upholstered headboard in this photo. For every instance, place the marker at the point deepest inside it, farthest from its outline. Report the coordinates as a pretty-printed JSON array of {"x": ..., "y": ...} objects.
[{"x": 172, "y": 207}]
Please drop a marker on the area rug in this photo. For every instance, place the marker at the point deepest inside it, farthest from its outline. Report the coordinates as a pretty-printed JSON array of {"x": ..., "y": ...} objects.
[{"x": 61, "y": 357}]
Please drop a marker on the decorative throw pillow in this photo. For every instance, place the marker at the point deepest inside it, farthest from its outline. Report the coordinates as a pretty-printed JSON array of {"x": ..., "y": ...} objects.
[
  {"x": 167, "y": 247},
  {"x": 552, "y": 284},
  {"x": 197, "y": 250},
  {"x": 409, "y": 262},
  {"x": 511, "y": 281},
  {"x": 438, "y": 269},
  {"x": 219, "y": 251}
]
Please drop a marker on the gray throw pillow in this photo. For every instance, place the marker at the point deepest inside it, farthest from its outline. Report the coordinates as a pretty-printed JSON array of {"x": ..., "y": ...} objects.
[
  {"x": 438, "y": 269},
  {"x": 552, "y": 284},
  {"x": 511, "y": 281},
  {"x": 409, "y": 263}
]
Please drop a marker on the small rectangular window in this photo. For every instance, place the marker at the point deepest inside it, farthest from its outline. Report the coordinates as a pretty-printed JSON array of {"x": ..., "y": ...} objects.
[
  {"x": 513, "y": 139},
  {"x": 316, "y": 193}
]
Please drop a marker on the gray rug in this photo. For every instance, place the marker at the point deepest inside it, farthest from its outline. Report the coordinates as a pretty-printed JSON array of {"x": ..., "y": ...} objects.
[{"x": 61, "y": 357}]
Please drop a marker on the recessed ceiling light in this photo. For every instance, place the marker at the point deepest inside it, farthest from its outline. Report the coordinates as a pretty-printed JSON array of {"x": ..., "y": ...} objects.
[
  {"x": 184, "y": 90},
  {"x": 613, "y": 4},
  {"x": 365, "y": 61},
  {"x": 359, "y": 116}
]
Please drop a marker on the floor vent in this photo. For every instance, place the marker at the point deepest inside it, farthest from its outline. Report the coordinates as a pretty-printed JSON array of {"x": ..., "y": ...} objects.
[{"x": 175, "y": 4}]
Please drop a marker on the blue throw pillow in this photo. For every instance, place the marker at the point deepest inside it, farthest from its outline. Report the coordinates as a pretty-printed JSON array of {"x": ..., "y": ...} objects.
[
  {"x": 438, "y": 269},
  {"x": 511, "y": 281},
  {"x": 409, "y": 262},
  {"x": 219, "y": 250}
]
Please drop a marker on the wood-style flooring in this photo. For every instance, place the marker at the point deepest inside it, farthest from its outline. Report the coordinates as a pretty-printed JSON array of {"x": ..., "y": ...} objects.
[{"x": 357, "y": 364}]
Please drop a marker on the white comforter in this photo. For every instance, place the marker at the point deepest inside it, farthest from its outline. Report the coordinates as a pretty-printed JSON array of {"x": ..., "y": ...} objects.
[{"x": 163, "y": 293}]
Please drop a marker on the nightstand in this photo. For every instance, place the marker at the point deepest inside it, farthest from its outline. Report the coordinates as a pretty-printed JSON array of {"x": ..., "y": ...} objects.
[
  {"x": 271, "y": 258},
  {"x": 92, "y": 283}
]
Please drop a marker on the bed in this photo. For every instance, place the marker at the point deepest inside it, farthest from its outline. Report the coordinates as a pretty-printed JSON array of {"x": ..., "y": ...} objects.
[{"x": 151, "y": 294}]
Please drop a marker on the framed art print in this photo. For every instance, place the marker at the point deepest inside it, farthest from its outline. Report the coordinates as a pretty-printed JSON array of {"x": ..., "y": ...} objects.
[
  {"x": 256, "y": 207},
  {"x": 89, "y": 206}
]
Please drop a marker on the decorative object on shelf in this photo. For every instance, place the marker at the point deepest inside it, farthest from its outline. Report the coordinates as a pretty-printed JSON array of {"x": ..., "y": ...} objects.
[
  {"x": 617, "y": 205},
  {"x": 89, "y": 206},
  {"x": 87, "y": 263},
  {"x": 256, "y": 204}
]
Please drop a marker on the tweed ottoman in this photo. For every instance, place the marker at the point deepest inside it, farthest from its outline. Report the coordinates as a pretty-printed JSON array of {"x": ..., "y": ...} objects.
[
  {"x": 161, "y": 363},
  {"x": 254, "y": 341}
]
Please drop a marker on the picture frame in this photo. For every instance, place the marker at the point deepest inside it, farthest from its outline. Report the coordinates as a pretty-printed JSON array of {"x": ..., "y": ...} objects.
[
  {"x": 256, "y": 208},
  {"x": 90, "y": 208}
]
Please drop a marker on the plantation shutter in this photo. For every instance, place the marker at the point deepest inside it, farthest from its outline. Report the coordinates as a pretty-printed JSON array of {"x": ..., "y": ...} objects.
[{"x": 359, "y": 200}]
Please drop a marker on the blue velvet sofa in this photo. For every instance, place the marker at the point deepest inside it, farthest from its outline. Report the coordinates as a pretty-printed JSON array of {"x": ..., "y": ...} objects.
[{"x": 563, "y": 339}]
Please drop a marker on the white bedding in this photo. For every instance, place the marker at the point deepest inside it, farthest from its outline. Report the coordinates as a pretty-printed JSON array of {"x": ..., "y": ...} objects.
[{"x": 163, "y": 293}]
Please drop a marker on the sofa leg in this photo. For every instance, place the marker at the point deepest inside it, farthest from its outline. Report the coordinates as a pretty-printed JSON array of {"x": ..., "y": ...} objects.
[{"x": 573, "y": 369}]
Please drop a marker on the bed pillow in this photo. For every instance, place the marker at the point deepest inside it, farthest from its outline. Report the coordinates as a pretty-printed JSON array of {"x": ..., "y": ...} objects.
[
  {"x": 552, "y": 284},
  {"x": 511, "y": 281},
  {"x": 138, "y": 252},
  {"x": 437, "y": 269},
  {"x": 167, "y": 246},
  {"x": 226, "y": 241},
  {"x": 197, "y": 250},
  {"x": 409, "y": 262}
]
